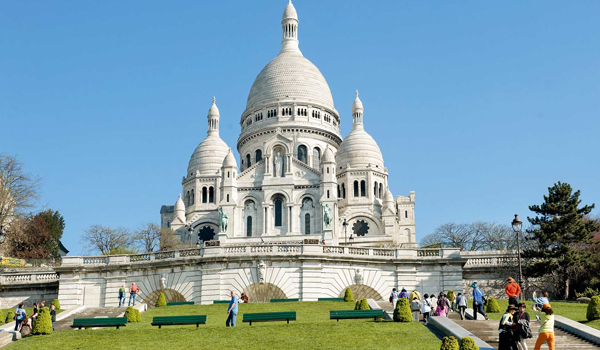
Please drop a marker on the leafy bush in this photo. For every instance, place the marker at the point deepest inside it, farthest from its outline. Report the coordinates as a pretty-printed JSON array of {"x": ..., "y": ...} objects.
[
  {"x": 132, "y": 315},
  {"x": 588, "y": 293},
  {"x": 161, "y": 301},
  {"x": 138, "y": 315},
  {"x": 1, "y": 317},
  {"x": 348, "y": 296},
  {"x": 362, "y": 304},
  {"x": 402, "y": 311},
  {"x": 593, "y": 310},
  {"x": 492, "y": 306},
  {"x": 449, "y": 343},
  {"x": 467, "y": 343},
  {"x": 43, "y": 322},
  {"x": 450, "y": 295},
  {"x": 56, "y": 303},
  {"x": 10, "y": 315}
]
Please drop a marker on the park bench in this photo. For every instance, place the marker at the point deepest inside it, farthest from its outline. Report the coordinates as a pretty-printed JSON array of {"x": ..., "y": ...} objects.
[
  {"x": 178, "y": 320},
  {"x": 221, "y": 301},
  {"x": 353, "y": 314},
  {"x": 99, "y": 322},
  {"x": 270, "y": 317},
  {"x": 331, "y": 299},
  {"x": 283, "y": 300},
  {"x": 175, "y": 303}
]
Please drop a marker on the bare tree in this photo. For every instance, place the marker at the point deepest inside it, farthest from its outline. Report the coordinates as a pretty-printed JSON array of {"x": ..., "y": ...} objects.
[
  {"x": 168, "y": 240},
  {"x": 19, "y": 190},
  {"x": 147, "y": 237},
  {"x": 107, "y": 241},
  {"x": 472, "y": 236}
]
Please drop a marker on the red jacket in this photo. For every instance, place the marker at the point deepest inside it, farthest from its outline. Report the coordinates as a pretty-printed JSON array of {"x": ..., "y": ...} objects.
[{"x": 512, "y": 290}]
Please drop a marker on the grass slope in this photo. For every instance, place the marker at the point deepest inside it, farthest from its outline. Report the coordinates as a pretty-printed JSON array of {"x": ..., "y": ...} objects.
[
  {"x": 312, "y": 330},
  {"x": 573, "y": 311}
]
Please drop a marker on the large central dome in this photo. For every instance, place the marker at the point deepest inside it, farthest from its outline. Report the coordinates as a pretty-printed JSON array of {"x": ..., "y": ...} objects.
[{"x": 290, "y": 77}]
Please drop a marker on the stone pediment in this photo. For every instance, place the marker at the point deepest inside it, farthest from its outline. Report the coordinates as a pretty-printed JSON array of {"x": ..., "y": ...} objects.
[
  {"x": 253, "y": 174},
  {"x": 278, "y": 138},
  {"x": 303, "y": 171}
]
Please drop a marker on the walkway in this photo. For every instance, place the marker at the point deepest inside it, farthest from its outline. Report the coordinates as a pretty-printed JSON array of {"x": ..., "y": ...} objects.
[{"x": 89, "y": 312}]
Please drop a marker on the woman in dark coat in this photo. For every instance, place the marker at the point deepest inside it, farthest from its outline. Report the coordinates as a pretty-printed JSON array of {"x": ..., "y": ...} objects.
[
  {"x": 506, "y": 330},
  {"x": 522, "y": 328}
]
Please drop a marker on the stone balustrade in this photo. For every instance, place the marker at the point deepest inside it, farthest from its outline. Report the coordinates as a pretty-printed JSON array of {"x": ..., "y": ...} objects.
[{"x": 28, "y": 278}]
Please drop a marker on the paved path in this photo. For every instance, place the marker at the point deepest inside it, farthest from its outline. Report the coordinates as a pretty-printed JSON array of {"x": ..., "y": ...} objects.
[{"x": 89, "y": 312}]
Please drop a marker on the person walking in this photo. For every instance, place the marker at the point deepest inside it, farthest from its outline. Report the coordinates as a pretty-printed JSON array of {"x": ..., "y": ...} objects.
[
  {"x": 415, "y": 307},
  {"x": 461, "y": 301},
  {"x": 522, "y": 327},
  {"x": 122, "y": 295},
  {"x": 34, "y": 314},
  {"x": 19, "y": 316},
  {"x": 403, "y": 294},
  {"x": 546, "y": 328},
  {"x": 133, "y": 292},
  {"x": 477, "y": 301},
  {"x": 53, "y": 316},
  {"x": 433, "y": 301},
  {"x": 451, "y": 296},
  {"x": 445, "y": 302},
  {"x": 394, "y": 297},
  {"x": 506, "y": 330},
  {"x": 415, "y": 294},
  {"x": 513, "y": 291},
  {"x": 426, "y": 308},
  {"x": 541, "y": 300},
  {"x": 232, "y": 310}
]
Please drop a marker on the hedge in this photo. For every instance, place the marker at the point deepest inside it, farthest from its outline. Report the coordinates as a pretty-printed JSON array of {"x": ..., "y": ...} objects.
[
  {"x": 362, "y": 304},
  {"x": 43, "y": 322},
  {"x": 56, "y": 303},
  {"x": 402, "y": 311},
  {"x": 593, "y": 310},
  {"x": 348, "y": 297},
  {"x": 492, "y": 306},
  {"x": 449, "y": 343},
  {"x": 10, "y": 316},
  {"x": 468, "y": 343},
  {"x": 133, "y": 315},
  {"x": 161, "y": 301}
]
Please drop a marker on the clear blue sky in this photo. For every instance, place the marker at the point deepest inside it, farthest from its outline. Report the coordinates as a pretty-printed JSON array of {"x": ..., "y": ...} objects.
[{"x": 478, "y": 106}]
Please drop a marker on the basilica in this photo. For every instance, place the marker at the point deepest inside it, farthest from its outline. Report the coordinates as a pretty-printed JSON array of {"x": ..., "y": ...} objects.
[{"x": 297, "y": 178}]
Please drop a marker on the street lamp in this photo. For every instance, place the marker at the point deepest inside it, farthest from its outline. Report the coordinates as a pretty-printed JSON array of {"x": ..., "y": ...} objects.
[
  {"x": 198, "y": 244},
  {"x": 351, "y": 239},
  {"x": 517, "y": 226},
  {"x": 345, "y": 224},
  {"x": 190, "y": 231}
]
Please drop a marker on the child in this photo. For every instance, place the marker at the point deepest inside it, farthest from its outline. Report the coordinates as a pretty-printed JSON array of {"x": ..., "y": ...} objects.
[
  {"x": 426, "y": 308},
  {"x": 546, "y": 328},
  {"x": 415, "y": 308}
]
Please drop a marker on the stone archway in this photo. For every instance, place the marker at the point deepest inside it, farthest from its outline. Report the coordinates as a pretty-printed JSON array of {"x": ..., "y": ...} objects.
[
  {"x": 361, "y": 291},
  {"x": 264, "y": 292},
  {"x": 171, "y": 295}
]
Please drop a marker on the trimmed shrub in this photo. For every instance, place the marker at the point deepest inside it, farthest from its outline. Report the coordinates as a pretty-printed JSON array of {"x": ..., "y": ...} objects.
[
  {"x": 450, "y": 295},
  {"x": 2, "y": 317},
  {"x": 362, "y": 304},
  {"x": 593, "y": 310},
  {"x": 56, "y": 303},
  {"x": 131, "y": 314},
  {"x": 348, "y": 296},
  {"x": 402, "y": 311},
  {"x": 449, "y": 343},
  {"x": 161, "y": 301},
  {"x": 10, "y": 316},
  {"x": 492, "y": 306},
  {"x": 138, "y": 315},
  {"x": 43, "y": 322},
  {"x": 467, "y": 343}
]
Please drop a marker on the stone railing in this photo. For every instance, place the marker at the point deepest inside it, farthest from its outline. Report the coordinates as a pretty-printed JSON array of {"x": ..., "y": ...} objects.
[
  {"x": 490, "y": 258},
  {"x": 28, "y": 278}
]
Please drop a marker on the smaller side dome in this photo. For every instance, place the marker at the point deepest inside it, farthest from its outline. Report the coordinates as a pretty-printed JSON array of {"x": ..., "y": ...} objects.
[
  {"x": 179, "y": 204},
  {"x": 289, "y": 12},
  {"x": 229, "y": 160},
  {"x": 328, "y": 157},
  {"x": 388, "y": 197}
]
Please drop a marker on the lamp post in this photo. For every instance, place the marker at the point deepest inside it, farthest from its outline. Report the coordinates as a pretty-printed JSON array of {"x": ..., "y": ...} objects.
[
  {"x": 345, "y": 224},
  {"x": 351, "y": 239},
  {"x": 190, "y": 231},
  {"x": 517, "y": 226}
]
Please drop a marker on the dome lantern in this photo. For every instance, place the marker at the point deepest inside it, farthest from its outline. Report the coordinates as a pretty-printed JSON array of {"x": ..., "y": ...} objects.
[
  {"x": 357, "y": 111},
  {"x": 213, "y": 118},
  {"x": 289, "y": 26}
]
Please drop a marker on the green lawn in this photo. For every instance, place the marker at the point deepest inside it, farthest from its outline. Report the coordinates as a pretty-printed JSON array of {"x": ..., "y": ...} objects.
[
  {"x": 573, "y": 311},
  {"x": 312, "y": 330}
]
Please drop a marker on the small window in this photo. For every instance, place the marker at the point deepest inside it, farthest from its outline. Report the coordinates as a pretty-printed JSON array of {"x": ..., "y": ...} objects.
[
  {"x": 278, "y": 212},
  {"x": 406, "y": 214},
  {"x": 327, "y": 170},
  {"x": 307, "y": 224},
  {"x": 355, "y": 188},
  {"x": 227, "y": 198},
  {"x": 258, "y": 155},
  {"x": 363, "y": 189},
  {"x": 344, "y": 191},
  {"x": 204, "y": 195},
  {"x": 211, "y": 195},
  {"x": 249, "y": 226},
  {"x": 248, "y": 160},
  {"x": 228, "y": 174},
  {"x": 339, "y": 192}
]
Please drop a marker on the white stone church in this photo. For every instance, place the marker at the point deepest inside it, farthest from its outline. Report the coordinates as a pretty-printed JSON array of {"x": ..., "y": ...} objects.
[{"x": 298, "y": 177}]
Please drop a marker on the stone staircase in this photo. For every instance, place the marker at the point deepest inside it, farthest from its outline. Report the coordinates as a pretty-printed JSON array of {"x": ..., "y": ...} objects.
[
  {"x": 488, "y": 332},
  {"x": 65, "y": 324}
]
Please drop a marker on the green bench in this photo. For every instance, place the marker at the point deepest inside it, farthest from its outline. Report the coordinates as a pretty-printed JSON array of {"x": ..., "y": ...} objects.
[
  {"x": 331, "y": 299},
  {"x": 175, "y": 303},
  {"x": 221, "y": 301},
  {"x": 353, "y": 314},
  {"x": 178, "y": 320},
  {"x": 99, "y": 322},
  {"x": 283, "y": 300},
  {"x": 270, "y": 317}
]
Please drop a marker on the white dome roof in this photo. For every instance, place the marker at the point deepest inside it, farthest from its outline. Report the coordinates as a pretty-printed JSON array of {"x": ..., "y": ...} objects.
[
  {"x": 357, "y": 104},
  {"x": 359, "y": 149},
  {"x": 229, "y": 160},
  {"x": 290, "y": 77},
  {"x": 289, "y": 12},
  {"x": 328, "y": 156},
  {"x": 179, "y": 204},
  {"x": 208, "y": 156}
]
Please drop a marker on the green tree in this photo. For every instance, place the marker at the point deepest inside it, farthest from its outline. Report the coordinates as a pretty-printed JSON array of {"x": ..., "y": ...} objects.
[
  {"x": 593, "y": 310},
  {"x": 348, "y": 296},
  {"x": 56, "y": 303},
  {"x": 131, "y": 314},
  {"x": 402, "y": 311},
  {"x": 55, "y": 224},
  {"x": 449, "y": 343},
  {"x": 563, "y": 237},
  {"x": 43, "y": 322},
  {"x": 161, "y": 301},
  {"x": 468, "y": 343}
]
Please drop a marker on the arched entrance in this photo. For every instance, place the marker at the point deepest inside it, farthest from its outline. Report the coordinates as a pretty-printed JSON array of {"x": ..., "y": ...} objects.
[
  {"x": 171, "y": 295},
  {"x": 361, "y": 291},
  {"x": 264, "y": 292}
]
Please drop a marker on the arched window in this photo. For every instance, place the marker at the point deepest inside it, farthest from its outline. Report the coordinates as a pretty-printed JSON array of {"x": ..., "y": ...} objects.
[
  {"x": 363, "y": 189},
  {"x": 211, "y": 195},
  {"x": 316, "y": 157},
  {"x": 375, "y": 191},
  {"x": 204, "y": 195},
  {"x": 247, "y": 161},
  {"x": 343, "y": 191},
  {"x": 355, "y": 188},
  {"x": 187, "y": 198},
  {"x": 258, "y": 155},
  {"x": 380, "y": 190},
  {"x": 278, "y": 212},
  {"x": 307, "y": 224},
  {"x": 302, "y": 154},
  {"x": 249, "y": 226},
  {"x": 339, "y": 192},
  {"x": 192, "y": 199}
]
